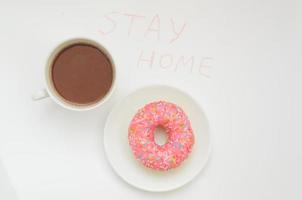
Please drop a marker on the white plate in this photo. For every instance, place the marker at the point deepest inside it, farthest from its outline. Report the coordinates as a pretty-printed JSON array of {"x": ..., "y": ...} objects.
[{"x": 120, "y": 155}]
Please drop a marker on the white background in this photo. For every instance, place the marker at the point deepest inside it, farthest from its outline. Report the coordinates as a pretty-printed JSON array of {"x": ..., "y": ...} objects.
[{"x": 246, "y": 75}]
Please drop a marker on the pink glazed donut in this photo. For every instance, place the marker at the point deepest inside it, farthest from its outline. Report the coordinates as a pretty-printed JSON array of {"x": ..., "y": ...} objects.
[{"x": 177, "y": 125}]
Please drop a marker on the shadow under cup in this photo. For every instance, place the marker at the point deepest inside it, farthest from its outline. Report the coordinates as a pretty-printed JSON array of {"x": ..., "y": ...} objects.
[{"x": 80, "y": 74}]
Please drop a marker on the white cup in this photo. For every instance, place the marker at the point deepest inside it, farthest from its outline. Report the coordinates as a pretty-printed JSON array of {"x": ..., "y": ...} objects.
[{"x": 50, "y": 90}]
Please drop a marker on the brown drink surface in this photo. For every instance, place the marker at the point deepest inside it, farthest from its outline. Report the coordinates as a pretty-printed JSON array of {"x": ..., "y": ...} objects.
[{"x": 82, "y": 74}]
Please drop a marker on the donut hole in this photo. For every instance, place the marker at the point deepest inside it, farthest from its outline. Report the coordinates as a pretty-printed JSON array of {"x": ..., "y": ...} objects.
[{"x": 160, "y": 136}]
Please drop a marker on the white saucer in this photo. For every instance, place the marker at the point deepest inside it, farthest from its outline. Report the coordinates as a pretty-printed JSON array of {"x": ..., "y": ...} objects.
[{"x": 119, "y": 153}]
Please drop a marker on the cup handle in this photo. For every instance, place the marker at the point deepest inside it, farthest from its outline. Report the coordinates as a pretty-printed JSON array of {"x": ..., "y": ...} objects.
[{"x": 41, "y": 94}]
